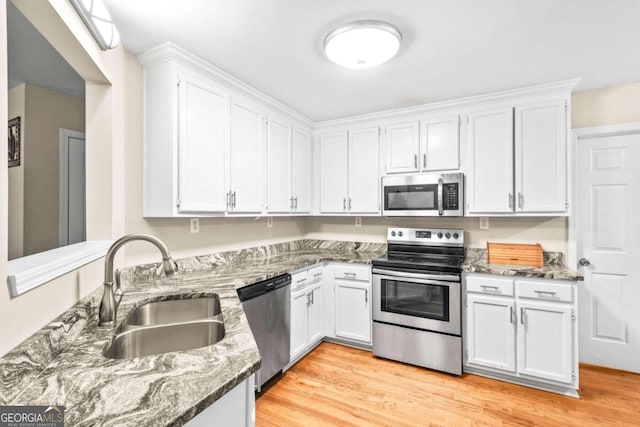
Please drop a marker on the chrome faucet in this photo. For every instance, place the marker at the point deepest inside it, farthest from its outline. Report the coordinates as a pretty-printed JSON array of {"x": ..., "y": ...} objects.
[{"x": 110, "y": 298}]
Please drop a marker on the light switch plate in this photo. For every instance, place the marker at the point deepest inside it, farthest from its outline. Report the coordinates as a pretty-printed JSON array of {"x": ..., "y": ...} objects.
[
  {"x": 358, "y": 221},
  {"x": 195, "y": 225},
  {"x": 484, "y": 223}
]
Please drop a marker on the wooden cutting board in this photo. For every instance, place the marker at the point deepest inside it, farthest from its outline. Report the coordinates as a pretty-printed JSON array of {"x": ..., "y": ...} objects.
[{"x": 515, "y": 253}]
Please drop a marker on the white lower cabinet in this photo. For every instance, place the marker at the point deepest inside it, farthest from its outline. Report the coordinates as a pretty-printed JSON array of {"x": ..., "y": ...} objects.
[
  {"x": 490, "y": 337},
  {"x": 353, "y": 303},
  {"x": 523, "y": 331},
  {"x": 307, "y": 308}
]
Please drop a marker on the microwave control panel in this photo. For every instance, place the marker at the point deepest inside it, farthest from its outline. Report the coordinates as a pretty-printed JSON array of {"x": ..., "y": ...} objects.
[{"x": 450, "y": 197}]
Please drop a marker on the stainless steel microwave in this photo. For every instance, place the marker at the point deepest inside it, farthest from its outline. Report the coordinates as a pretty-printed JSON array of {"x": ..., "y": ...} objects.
[{"x": 423, "y": 195}]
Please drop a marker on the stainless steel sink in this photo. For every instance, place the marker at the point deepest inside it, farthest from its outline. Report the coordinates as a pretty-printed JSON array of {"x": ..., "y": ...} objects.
[
  {"x": 174, "y": 311},
  {"x": 147, "y": 340}
]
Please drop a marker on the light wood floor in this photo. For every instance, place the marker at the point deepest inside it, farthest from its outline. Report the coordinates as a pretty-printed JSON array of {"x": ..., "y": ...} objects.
[{"x": 341, "y": 386}]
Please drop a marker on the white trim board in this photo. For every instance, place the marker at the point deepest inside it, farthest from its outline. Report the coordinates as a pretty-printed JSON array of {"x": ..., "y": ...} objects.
[
  {"x": 577, "y": 135},
  {"x": 27, "y": 273}
]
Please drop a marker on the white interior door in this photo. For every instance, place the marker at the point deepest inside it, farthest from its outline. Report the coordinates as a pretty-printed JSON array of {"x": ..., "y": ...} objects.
[
  {"x": 72, "y": 219},
  {"x": 608, "y": 238}
]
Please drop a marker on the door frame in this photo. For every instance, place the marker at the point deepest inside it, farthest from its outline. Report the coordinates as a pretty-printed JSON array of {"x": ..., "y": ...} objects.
[
  {"x": 579, "y": 134},
  {"x": 63, "y": 205}
]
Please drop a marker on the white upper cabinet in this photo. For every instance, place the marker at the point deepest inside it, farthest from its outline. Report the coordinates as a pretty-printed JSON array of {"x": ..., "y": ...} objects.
[
  {"x": 279, "y": 199},
  {"x": 202, "y": 115},
  {"x": 333, "y": 165},
  {"x": 301, "y": 171},
  {"x": 403, "y": 147},
  {"x": 520, "y": 170},
  {"x": 490, "y": 167},
  {"x": 364, "y": 171},
  {"x": 541, "y": 157},
  {"x": 246, "y": 157},
  {"x": 440, "y": 144}
]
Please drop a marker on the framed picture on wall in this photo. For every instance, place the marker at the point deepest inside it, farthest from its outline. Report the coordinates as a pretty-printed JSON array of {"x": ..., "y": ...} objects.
[{"x": 14, "y": 142}]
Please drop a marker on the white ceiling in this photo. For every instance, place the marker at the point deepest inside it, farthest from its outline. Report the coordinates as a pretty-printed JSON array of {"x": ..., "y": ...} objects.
[
  {"x": 451, "y": 48},
  {"x": 31, "y": 59}
]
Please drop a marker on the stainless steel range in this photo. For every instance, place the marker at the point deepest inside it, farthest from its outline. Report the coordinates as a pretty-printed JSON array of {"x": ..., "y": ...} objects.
[{"x": 416, "y": 298}]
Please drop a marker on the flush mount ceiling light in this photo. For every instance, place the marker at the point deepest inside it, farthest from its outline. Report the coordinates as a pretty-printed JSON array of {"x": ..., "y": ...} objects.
[
  {"x": 97, "y": 18},
  {"x": 362, "y": 44}
]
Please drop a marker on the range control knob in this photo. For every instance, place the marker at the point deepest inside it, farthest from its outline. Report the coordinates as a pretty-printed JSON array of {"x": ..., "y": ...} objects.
[
  {"x": 447, "y": 235},
  {"x": 393, "y": 233},
  {"x": 439, "y": 235},
  {"x": 455, "y": 235},
  {"x": 399, "y": 233}
]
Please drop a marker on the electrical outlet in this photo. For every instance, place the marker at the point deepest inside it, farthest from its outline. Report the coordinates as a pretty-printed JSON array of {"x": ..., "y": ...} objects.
[
  {"x": 195, "y": 225},
  {"x": 269, "y": 221},
  {"x": 358, "y": 221},
  {"x": 484, "y": 223}
]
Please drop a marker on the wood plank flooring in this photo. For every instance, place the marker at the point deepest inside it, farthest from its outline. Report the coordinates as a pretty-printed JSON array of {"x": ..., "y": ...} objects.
[{"x": 342, "y": 386}]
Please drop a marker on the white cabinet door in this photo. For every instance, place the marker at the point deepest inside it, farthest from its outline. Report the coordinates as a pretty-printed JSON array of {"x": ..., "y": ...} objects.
[
  {"x": 246, "y": 157},
  {"x": 315, "y": 312},
  {"x": 490, "y": 335},
  {"x": 403, "y": 146},
  {"x": 279, "y": 199},
  {"x": 440, "y": 145},
  {"x": 301, "y": 171},
  {"x": 490, "y": 166},
  {"x": 353, "y": 310},
  {"x": 298, "y": 328},
  {"x": 545, "y": 341},
  {"x": 364, "y": 171},
  {"x": 333, "y": 173},
  {"x": 202, "y": 115},
  {"x": 541, "y": 157}
]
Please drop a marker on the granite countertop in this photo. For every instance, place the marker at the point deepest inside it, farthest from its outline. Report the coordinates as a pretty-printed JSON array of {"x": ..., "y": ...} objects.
[
  {"x": 63, "y": 363},
  {"x": 554, "y": 268}
]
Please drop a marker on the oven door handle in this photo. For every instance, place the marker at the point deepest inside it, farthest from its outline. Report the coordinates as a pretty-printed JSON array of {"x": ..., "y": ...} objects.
[{"x": 394, "y": 275}]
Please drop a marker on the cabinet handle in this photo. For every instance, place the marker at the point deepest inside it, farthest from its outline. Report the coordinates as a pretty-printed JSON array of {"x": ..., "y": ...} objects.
[
  {"x": 347, "y": 274},
  {"x": 344, "y": 203},
  {"x": 540, "y": 293},
  {"x": 511, "y": 315},
  {"x": 510, "y": 201},
  {"x": 317, "y": 275},
  {"x": 228, "y": 199},
  {"x": 520, "y": 200},
  {"x": 415, "y": 161},
  {"x": 302, "y": 280},
  {"x": 308, "y": 300},
  {"x": 296, "y": 202},
  {"x": 522, "y": 316},
  {"x": 233, "y": 198},
  {"x": 424, "y": 160},
  {"x": 313, "y": 299},
  {"x": 366, "y": 296},
  {"x": 291, "y": 203},
  {"x": 349, "y": 203},
  {"x": 489, "y": 287}
]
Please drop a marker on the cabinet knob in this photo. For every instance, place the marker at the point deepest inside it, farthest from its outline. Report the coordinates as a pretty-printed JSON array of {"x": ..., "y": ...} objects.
[{"x": 583, "y": 262}]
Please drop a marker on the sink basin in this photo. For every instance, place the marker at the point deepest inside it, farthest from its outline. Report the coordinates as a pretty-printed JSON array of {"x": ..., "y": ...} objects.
[
  {"x": 174, "y": 311},
  {"x": 147, "y": 340}
]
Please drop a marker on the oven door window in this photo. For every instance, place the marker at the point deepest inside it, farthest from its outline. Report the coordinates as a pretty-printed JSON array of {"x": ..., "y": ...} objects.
[
  {"x": 411, "y": 197},
  {"x": 415, "y": 299}
]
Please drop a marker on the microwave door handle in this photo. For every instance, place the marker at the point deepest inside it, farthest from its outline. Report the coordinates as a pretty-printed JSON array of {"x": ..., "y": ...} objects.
[{"x": 440, "y": 198}]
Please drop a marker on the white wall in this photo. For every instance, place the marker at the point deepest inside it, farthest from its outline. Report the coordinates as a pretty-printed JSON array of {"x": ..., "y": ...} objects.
[{"x": 16, "y": 108}]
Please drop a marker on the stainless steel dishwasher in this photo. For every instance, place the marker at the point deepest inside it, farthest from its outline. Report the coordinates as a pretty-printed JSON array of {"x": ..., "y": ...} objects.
[{"x": 267, "y": 306}]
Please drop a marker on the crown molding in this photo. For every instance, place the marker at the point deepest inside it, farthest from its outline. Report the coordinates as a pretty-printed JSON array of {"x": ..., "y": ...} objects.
[
  {"x": 171, "y": 51},
  {"x": 564, "y": 85}
]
